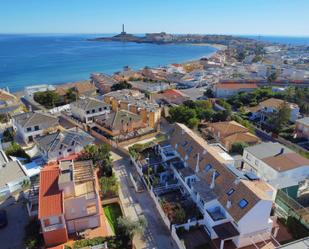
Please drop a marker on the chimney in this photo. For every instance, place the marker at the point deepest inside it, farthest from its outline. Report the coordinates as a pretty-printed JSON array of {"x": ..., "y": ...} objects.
[
  {"x": 212, "y": 185},
  {"x": 197, "y": 168},
  {"x": 228, "y": 204},
  {"x": 281, "y": 152}
]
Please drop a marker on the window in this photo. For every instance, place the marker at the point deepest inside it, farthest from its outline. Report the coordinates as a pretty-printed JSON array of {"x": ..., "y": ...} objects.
[
  {"x": 29, "y": 129},
  {"x": 230, "y": 192},
  {"x": 72, "y": 143},
  {"x": 100, "y": 109},
  {"x": 87, "y": 112},
  {"x": 184, "y": 143},
  {"x": 208, "y": 167},
  {"x": 59, "y": 152},
  {"x": 216, "y": 174},
  {"x": 242, "y": 203},
  {"x": 93, "y": 110},
  {"x": 69, "y": 150},
  {"x": 61, "y": 146},
  {"x": 36, "y": 128},
  {"x": 189, "y": 150}
]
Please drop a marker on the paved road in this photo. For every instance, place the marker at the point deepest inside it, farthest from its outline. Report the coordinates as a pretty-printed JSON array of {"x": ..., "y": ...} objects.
[
  {"x": 11, "y": 237},
  {"x": 135, "y": 204}
]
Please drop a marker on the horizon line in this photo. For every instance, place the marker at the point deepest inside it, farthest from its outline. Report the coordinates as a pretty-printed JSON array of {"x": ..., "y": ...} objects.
[{"x": 111, "y": 33}]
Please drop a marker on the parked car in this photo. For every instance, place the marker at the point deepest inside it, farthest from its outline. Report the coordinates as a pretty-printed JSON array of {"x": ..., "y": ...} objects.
[{"x": 3, "y": 219}]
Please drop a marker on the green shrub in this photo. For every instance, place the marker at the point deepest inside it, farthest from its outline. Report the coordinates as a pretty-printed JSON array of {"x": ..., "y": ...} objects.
[
  {"x": 33, "y": 238},
  {"x": 16, "y": 150}
]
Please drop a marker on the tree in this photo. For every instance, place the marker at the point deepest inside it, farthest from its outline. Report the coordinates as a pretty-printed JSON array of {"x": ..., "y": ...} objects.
[
  {"x": 209, "y": 93},
  {"x": 71, "y": 95},
  {"x": 109, "y": 186},
  {"x": 193, "y": 123},
  {"x": 181, "y": 114},
  {"x": 179, "y": 215},
  {"x": 238, "y": 147},
  {"x": 100, "y": 156},
  {"x": 130, "y": 227},
  {"x": 121, "y": 85},
  {"x": 280, "y": 118},
  {"x": 48, "y": 99},
  {"x": 7, "y": 136},
  {"x": 4, "y": 118},
  {"x": 16, "y": 150},
  {"x": 33, "y": 238}
]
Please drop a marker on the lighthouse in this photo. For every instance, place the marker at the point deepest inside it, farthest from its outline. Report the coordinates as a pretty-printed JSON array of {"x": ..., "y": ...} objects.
[{"x": 123, "y": 32}]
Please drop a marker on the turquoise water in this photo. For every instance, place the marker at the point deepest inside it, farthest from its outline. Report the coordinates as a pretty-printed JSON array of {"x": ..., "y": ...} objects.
[{"x": 54, "y": 59}]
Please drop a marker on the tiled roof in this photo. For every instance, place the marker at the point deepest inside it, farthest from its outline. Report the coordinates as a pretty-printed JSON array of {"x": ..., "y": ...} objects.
[
  {"x": 227, "y": 128},
  {"x": 89, "y": 103},
  {"x": 272, "y": 102},
  {"x": 286, "y": 161},
  {"x": 236, "y": 86},
  {"x": 113, "y": 120},
  {"x": 81, "y": 87},
  {"x": 50, "y": 197},
  {"x": 51, "y": 141},
  {"x": 188, "y": 141},
  {"x": 246, "y": 137},
  {"x": 29, "y": 119}
]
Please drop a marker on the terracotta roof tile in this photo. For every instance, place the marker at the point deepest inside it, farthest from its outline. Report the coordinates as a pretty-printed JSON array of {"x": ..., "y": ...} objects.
[
  {"x": 286, "y": 161},
  {"x": 50, "y": 197},
  {"x": 190, "y": 144}
]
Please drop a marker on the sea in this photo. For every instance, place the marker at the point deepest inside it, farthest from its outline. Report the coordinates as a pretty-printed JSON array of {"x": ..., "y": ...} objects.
[
  {"x": 54, "y": 59},
  {"x": 59, "y": 58}
]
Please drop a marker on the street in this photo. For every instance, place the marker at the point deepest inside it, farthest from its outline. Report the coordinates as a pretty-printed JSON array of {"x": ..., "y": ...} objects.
[{"x": 135, "y": 204}]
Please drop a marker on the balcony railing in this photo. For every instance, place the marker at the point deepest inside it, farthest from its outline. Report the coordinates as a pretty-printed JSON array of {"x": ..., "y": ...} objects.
[{"x": 53, "y": 227}]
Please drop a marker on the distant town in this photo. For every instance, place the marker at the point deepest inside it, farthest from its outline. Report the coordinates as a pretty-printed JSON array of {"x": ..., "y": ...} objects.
[{"x": 210, "y": 153}]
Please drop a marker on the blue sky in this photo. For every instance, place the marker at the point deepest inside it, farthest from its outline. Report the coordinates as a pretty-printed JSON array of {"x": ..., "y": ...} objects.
[{"x": 265, "y": 17}]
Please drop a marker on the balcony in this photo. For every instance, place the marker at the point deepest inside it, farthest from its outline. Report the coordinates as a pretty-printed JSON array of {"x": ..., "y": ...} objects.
[
  {"x": 53, "y": 227},
  {"x": 216, "y": 214}
]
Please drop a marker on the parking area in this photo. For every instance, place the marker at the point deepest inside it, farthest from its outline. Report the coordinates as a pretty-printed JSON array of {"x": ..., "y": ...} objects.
[{"x": 12, "y": 235}]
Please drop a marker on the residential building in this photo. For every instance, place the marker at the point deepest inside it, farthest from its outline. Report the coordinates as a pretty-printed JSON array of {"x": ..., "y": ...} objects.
[
  {"x": 29, "y": 125},
  {"x": 266, "y": 108},
  {"x": 81, "y": 88},
  {"x": 60, "y": 144},
  {"x": 228, "y": 89},
  {"x": 302, "y": 127},
  {"x": 120, "y": 123},
  {"x": 103, "y": 82},
  {"x": 230, "y": 132},
  {"x": 151, "y": 87},
  {"x": 136, "y": 102},
  {"x": 228, "y": 201},
  {"x": 87, "y": 109},
  {"x": 68, "y": 200},
  {"x": 276, "y": 164},
  {"x": 12, "y": 175},
  {"x": 173, "y": 97}
]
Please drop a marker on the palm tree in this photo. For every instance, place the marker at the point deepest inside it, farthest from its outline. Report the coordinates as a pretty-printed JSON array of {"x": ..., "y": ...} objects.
[{"x": 130, "y": 227}]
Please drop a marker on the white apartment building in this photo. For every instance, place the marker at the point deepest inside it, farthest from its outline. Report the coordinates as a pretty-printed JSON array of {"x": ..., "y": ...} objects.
[
  {"x": 87, "y": 109},
  {"x": 29, "y": 125},
  {"x": 234, "y": 208},
  {"x": 276, "y": 164}
]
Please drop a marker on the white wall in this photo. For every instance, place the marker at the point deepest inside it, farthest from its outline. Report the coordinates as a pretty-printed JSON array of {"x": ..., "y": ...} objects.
[{"x": 255, "y": 222}]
